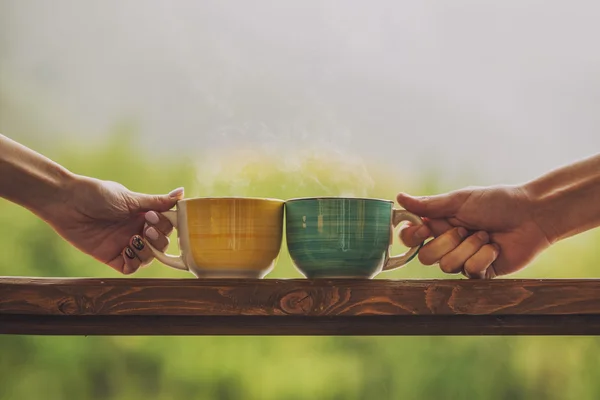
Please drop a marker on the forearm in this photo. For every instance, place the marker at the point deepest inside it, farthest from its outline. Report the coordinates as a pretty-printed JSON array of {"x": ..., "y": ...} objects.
[
  {"x": 566, "y": 201},
  {"x": 32, "y": 180}
]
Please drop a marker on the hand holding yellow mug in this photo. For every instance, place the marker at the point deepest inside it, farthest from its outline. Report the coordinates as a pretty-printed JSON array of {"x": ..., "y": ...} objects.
[{"x": 226, "y": 237}]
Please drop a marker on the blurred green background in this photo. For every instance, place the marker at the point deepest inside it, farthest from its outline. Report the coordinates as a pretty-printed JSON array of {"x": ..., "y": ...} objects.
[
  {"x": 297, "y": 98},
  {"x": 274, "y": 367}
]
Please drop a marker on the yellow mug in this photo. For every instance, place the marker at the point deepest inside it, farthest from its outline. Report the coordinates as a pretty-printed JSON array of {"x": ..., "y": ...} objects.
[{"x": 226, "y": 237}]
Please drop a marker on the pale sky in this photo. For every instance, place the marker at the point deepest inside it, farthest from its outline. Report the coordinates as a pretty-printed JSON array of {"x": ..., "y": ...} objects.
[{"x": 505, "y": 89}]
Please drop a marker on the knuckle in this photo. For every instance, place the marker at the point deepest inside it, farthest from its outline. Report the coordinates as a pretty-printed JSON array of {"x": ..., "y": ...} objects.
[
  {"x": 479, "y": 239},
  {"x": 455, "y": 237}
]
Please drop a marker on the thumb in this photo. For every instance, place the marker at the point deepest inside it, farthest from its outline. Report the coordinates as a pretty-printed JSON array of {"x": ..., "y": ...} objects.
[
  {"x": 154, "y": 202},
  {"x": 440, "y": 206}
]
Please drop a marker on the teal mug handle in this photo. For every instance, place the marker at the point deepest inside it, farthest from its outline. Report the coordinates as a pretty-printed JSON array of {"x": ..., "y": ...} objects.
[{"x": 393, "y": 262}]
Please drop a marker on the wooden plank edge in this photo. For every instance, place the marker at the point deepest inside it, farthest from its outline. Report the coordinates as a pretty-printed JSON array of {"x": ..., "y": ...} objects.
[
  {"x": 458, "y": 325},
  {"x": 134, "y": 282}
]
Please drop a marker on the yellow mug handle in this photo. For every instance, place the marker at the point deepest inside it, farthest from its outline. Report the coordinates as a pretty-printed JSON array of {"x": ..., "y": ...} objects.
[{"x": 167, "y": 259}]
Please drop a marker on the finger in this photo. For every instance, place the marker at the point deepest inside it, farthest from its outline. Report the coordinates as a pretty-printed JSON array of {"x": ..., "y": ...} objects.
[
  {"x": 132, "y": 263},
  {"x": 477, "y": 266},
  {"x": 437, "y": 248},
  {"x": 439, "y": 226},
  {"x": 156, "y": 238},
  {"x": 162, "y": 202},
  {"x": 490, "y": 272},
  {"x": 454, "y": 261},
  {"x": 414, "y": 235},
  {"x": 118, "y": 263},
  {"x": 439, "y": 206},
  {"x": 142, "y": 252},
  {"x": 159, "y": 221}
]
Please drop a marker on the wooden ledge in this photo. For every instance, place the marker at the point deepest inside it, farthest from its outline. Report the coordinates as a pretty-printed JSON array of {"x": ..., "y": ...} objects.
[{"x": 298, "y": 307}]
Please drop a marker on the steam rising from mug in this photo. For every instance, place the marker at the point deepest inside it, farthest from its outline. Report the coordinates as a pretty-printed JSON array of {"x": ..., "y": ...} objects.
[{"x": 282, "y": 166}]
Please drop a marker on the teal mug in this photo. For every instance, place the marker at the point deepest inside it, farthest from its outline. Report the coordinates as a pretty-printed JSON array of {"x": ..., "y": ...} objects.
[{"x": 336, "y": 237}]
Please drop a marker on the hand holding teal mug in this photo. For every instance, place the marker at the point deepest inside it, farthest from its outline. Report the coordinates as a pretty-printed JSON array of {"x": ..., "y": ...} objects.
[{"x": 336, "y": 237}]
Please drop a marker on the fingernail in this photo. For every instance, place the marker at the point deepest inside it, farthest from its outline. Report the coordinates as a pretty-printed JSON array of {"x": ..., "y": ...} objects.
[
  {"x": 176, "y": 193},
  {"x": 129, "y": 253},
  {"x": 462, "y": 232},
  {"x": 152, "y": 217},
  {"x": 483, "y": 235},
  {"x": 422, "y": 232},
  {"x": 152, "y": 233},
  {"x": 137, "y": 242}
]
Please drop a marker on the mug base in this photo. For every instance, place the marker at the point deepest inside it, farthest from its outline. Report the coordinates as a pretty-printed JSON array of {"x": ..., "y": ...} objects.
[
  {"x": 338, "y": 277},
  {"x": 232, "y": 274}
]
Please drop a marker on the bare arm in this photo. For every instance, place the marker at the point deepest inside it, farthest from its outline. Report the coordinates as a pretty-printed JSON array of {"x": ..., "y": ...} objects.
[
  {"x": 32, "y": 180},
  {"x": 512, "y": 224},
  {"x": 566, "y": 201},
  {"x": 101, "y": 218}
]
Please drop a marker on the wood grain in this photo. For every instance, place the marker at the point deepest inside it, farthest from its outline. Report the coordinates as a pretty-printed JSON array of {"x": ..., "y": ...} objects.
[{"x": 298, "y": 307}]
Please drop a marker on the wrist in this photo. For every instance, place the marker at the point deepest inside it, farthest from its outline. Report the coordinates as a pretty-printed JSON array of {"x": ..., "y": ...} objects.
[
  {"x": 541, "y": 204},
  {"x": 566, "y": 201},
  {"x": 50, "y": 197},
  {"x": 566, "y": 209}
]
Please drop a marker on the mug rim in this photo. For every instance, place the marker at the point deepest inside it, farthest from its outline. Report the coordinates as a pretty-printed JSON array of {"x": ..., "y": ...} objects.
[
  {"x": 339, "y": 198},
  {"x": 232, "y": 198}
]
